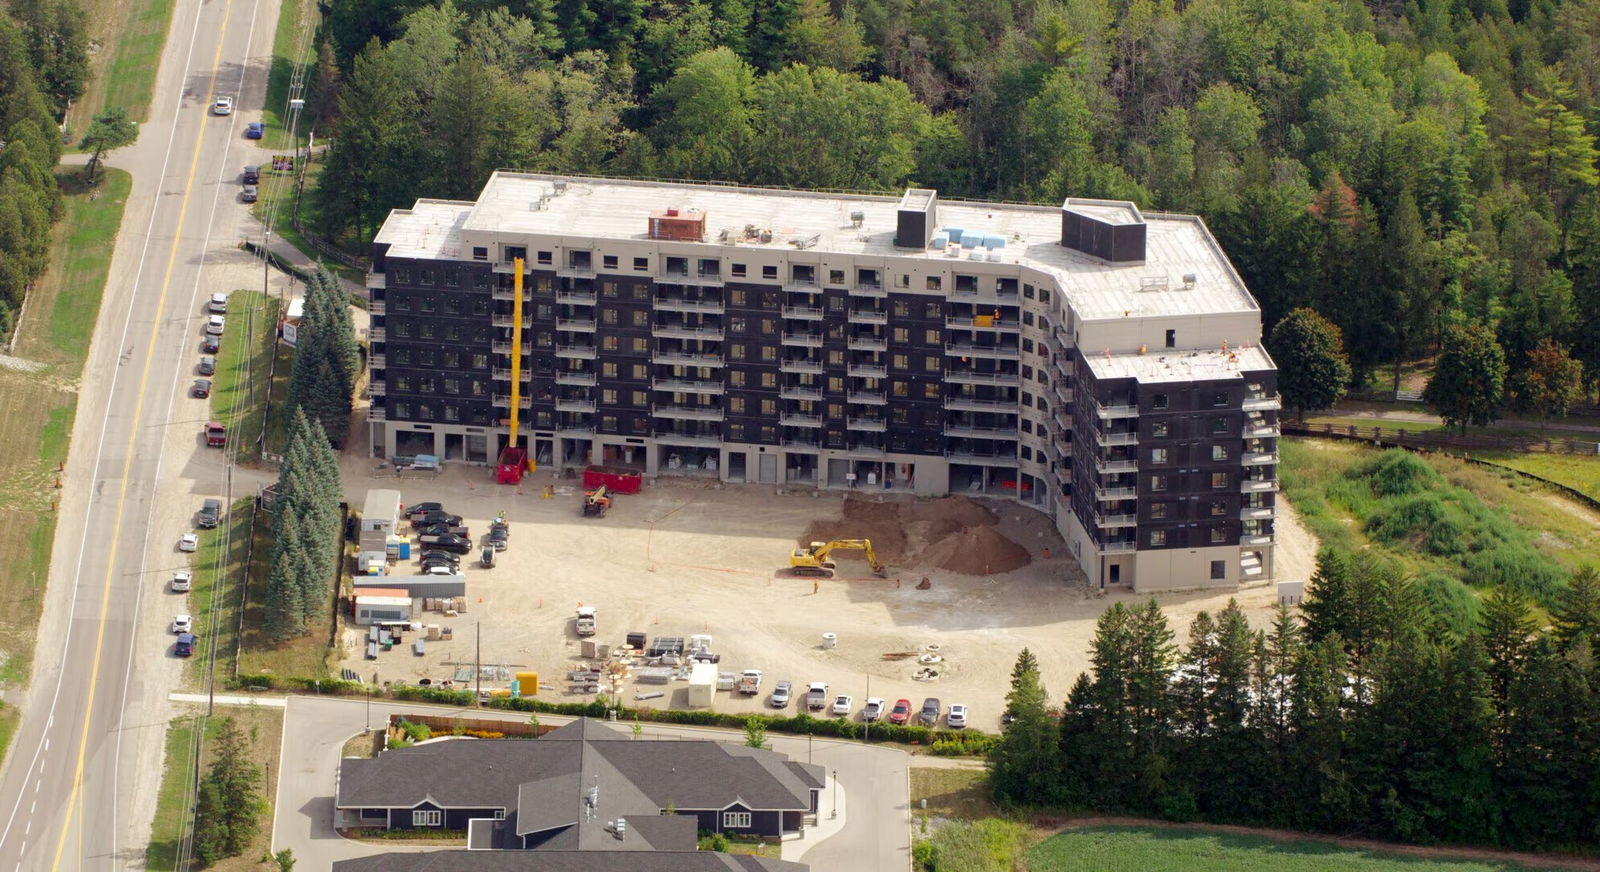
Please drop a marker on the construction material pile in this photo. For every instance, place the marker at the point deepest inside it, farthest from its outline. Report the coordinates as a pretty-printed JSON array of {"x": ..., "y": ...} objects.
[{"x": 953, "y": 534}]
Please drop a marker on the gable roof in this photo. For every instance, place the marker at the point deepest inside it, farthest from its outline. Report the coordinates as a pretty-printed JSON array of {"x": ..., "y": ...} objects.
[{"x": 565, "y": 861}]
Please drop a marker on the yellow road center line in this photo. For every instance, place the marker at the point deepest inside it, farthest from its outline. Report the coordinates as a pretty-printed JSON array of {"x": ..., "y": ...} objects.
[{"x": 133, "y": 435}]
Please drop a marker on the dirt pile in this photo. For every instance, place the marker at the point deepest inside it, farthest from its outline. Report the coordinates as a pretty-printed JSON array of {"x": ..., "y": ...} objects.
[{"x": 955, "y": 534}]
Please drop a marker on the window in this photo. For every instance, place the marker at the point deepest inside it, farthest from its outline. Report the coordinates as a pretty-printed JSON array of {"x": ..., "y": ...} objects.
[
  {"x": 769, "y": 272},
  {"x": 480, "y": 252},
  {"x": 1219, "y": 535},
  {"x": 428, "y": 303},
  {"x": 931, "y": 337},
  {"x": 1158, "y": 511},
  {"x": 608, "y": 316},
  {"x": 421, "y": 818},
  {"x": 1027, "y": 319},
  {"x": 769, "y": 379},
  {"x": 736, "y": 405},
  {"x": 736, "y": 378},
  {"x": 544, "y": 257},
  {"x": 1218, "y": 508},
  {"x": 609, "y": 396},
  {"x": 608, "y": 290},
  {"x": 932, "y": 310},
  {"x": 1161, "y": 401},
  {"x": 1219, "y": 452},
  {"x": 610, "y": 343},
  {"x": 640, "y": 344},
  {"x": 1044, "y": 295},
  {"x": 738, "y": 270},
  {"x": 608, "y": 369},
  {"x": 1172, "y": 339},
  {"x": 1219, "y": 568},
  {"x": 402, "y": 303},
  {"x": 836, "y": 277},
  {"x": 933, "y": 283},
  {"x": 640, "y": 372},
  {"x": 608, "y": 261},
  {"x": 931, "y": 390},
  {"x": 641, "y": 264},
  {"x": 499, "y": 814},
  {"x": 901, "y": 280},
  {"x": 608, "y": 423},
  {"x": 1219, "y": 480},
  {"x": 641, "y": 318},
  {"x": 901, "y": 308},
  {"x": 1158, "y": 537},
  {"x": 1158, "y": 430},
  {"x": 451, "y": 413},
  {"x": 1158, "y": 455},
  {"x": 769, "y": 407},
  {"x": 933, "y": 363},
  {"x": 1219, "y": 426},
  {"x": 1219, "y": 399},
  {"x": 1158, "y": 482},
  {"x": 769, "y": 353},
  {"x": 640, "y": 398},
  {"x": 1027, "y": 291}
]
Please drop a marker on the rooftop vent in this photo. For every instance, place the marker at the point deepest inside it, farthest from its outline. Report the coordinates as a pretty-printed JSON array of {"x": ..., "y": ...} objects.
[
  {"x": 916, "y": 217},
  {"x": 1110, "y": 230},
  {"x": 671, "y": 224}
]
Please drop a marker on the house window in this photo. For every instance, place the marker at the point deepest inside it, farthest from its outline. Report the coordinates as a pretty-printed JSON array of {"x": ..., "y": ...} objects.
[
  {"x": 1158, "y": 430},
  {"x": 608, "y": 261},
  {"x": 1158, "y": 511},
  {"x": 1218, "y": 508},
  {"x": 1219, "y": 399},
  {"x": 1219, "y": 569},
  {"x": 1158, "y": 482},
  {"x": 1158, "y": 455},
  {"x": 1158, "y": 537},
  {"x": 769, "y": 272},
  {"x": 733, "y": 819},
  {"x": 1160, "y": 401},
  {"x": 738, "y": 269},
  {"x": 479, "y": 252},
  {"x": 430, "y": 818},
  {"x": 1219, "y": 535},
  {"x": 544, "y": 257},
  {"x": 836, "y": 277},
  {"x": 1219, "y": 480},
  {"x": 1219, "y": 452},
  {"x": 641, "y": 264},
  {"x": 499, "y": 814}
]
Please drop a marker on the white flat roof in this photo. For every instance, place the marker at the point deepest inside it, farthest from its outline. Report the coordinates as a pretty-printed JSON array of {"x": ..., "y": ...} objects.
[
  {"x": 1177, "y": 246},
  {"x": 1180, "y": 366}
]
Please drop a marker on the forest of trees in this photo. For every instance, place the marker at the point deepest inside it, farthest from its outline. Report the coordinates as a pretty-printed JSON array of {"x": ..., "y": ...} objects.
[
  {"x": 44, "y": 65},
  {"x": 1359, "y": 714},
  {"x": 1400, "y": 167}
]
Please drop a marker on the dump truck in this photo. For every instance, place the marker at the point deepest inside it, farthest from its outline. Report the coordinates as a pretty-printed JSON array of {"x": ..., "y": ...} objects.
[
  {"x": 585, "y": 621},
  {"x": 596, "y": 502},
  {"x": 817, "y": 558},
  {"x": 750, "y": 682},
  {"x": 817, "y": 695}
]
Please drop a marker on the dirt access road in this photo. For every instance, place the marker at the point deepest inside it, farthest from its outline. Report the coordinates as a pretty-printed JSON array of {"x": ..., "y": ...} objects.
[{"x": 690, "y": 556}]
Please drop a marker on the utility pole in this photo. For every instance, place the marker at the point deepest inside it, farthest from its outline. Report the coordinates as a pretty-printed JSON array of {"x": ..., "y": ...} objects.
[{"x": 477, "y": 661}]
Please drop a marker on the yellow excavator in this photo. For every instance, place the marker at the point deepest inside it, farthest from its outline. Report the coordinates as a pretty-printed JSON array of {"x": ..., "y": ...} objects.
[{"x": 815, "y": 560}]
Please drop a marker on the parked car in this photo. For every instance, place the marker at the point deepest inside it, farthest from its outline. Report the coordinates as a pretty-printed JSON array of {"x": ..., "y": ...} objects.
[
  {"x": 201, "y": 388},
  {"x": 454, "y": 543},
  {"x": 252, "y": 174},
  {"x": 214, "y": 325},
  {"x": 188, "y": 542},
  {"x": 184, "y": 646},
  {"x": 872, "y": 710},
  {"x": 929, "y": 716},
  {"x": 182, "y": 624},
  {"x": 428, "y": 519},
  {"x": 901, "y": 711},
  {"x": 210, "y": 514},
  {"x": 435, "y": 554},
  {"x": 957, "y": 718},
  {"x": 211, "y": 344},
  {"x": 254, "y": 130},
  {"x": 218, "y": 304},
  {"x": 438, "y": 569},
  {"x": 422, "y": 509},
  {"x": 249, "y": 193},
  {"x": 781, "y": 694},
  {"x": 216, "y": 434},
  {"x": 498, "y": 539},
  {"x": 208, "y": 365},
  {"x": 502, "y": 526},
  {"x": 222, "y": 106},
  {"x": 182, "y": 581},
  {"x": 843, "y": 704},
  {"x": 441, "y": 529}
]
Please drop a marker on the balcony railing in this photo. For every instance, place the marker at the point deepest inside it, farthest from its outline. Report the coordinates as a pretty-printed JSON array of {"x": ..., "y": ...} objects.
[
  {"x": 1115, "y": 467},
  {"x": 510, "y": 294},
  {"x": 573, "y": 298},
  {"x": 1261, "y": 458},
  {"x": 981, "y": 458},
  {"x": 377, "y": 307},
  {"x": 708, "y": 440},
  {"x": 1108, "y": 494},
  {"x": 871, "y": 398},
  {"x": 1110, "y": 439},
  {"x": 1258, "y": 485},
  {"x": 1121, "y": 547},
  {"x": 378, "y": 361},
  {"x": 807, "y": 444},
  {"x": 871, "y": 425},
  {"x": 868, "y": 343},
  {"x": 997, "y": 352},
  {"x": 681, "y": 358},
  {"x": 504, "y": 347},
  {"x": 805, "y": 340},
  {"x": 868, "y": 316},
  {"x": 377, "y": 281},
  {"x": 570, "y": 377},
  {"x": 577, "y": 271},
  {"x": 796, "y": 392},
  {"x": 967, "y": 431},
  {"x": 810, "y": 313},
  {"x": 586, "y": 325},
  {"x": 982, "y": 323},
  {"x": 574, "y": 405},
  {"x": 1257, "y": 513},
  {"x": 1262, "y": 404},
  {"x": 679, "y": 331},
  {"x": 577, "y": 352},
  {"x": 679, "y": 304},
  {"x": 687, "y": 386},
  {"x": 1109, "y": 412},
  {"x": 377, "y": 413},
  {"x": 795, "y": 365},
  {"x": 965, "y": 404},
  {"x": 1109, "y": 521},
  {"x": 690, "y": 413},
  {"x": 376, "y": 334},
  {"x": 504, "y": 401},
  {"x": 1261, "y": 431},
  {"x": 510, "y": 321},
  {"x": 796, "y": 419},
  {"x": 377, "y": 388},
  {"x": 867, "y": 370},
  {"x": 969, "y": 377},
  {"x": 871, "y": 290}
]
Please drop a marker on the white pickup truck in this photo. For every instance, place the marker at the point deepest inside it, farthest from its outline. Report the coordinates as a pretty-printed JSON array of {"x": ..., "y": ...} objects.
[
  {"x": 585, "y": 621},
  {"x": 750, "y": 682},
  {"x": 817, "y": 695}
]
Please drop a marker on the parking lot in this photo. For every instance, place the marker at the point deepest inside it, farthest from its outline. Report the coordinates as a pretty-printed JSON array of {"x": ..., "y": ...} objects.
[{"x": 691, "y": 556}]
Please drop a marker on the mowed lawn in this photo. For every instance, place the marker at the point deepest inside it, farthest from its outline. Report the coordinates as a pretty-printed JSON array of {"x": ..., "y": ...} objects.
[
  {"x": 1159, "y": 849},
  {"x": 130, "y": 34},
  {"x": 240, "y": 387}
]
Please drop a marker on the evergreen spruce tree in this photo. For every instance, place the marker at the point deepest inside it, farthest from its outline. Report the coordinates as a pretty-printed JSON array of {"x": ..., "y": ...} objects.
[
  {"x": 1276, "y": 664},
  {"x": 1110, "y": 698},
  {"x": 1506, "y": 626},
  {"x": 1150, "y": 701},
  {"x": 209, "y": 842},
  {"x": 1326, "y": 604},
  {"x": 239, "y": 781},
  {"x": 1322, "y": 792},
  {"x": 1023, "y": 765},
  {"x": 284, "y": 612},
  {"x": 1541, "y": 770},
  {"x": 1576, "y": 612}
]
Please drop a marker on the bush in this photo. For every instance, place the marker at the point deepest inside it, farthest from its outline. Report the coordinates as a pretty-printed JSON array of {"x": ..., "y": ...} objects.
[
  {"x": 988, "y": 845},
  {"x": 1397, "y": 472},
  {"x": 1451, "y": 601}
]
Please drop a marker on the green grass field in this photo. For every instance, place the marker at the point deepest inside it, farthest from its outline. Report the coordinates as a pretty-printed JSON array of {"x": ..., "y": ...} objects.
[
  {"x": 263, "y": 728},
  {"x": 218, "y": 574},
  {"x": 1158, "y": 849},
  {"x": 133, "y": 32},
  {"x": 294, "y": 17},
  {"x": 239, "y": 389},
  {"x": 302, "y": 657}
]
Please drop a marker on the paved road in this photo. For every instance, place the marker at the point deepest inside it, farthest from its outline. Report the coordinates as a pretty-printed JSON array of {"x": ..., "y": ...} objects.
[
  {"x": 78, "y": 789},
  {"x": 875, "y": 837}
]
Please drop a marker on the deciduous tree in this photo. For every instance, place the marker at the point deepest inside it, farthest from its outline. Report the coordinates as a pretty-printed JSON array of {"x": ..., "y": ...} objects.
[
  {"x": 1313, "y": 369},
  {"x": 1551, "y": 382},
  {"x": 1469, "y": 379},
  {"x": 110, "y": 130}
]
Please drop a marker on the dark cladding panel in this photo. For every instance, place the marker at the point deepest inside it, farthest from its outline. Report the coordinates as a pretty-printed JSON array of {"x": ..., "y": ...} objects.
[
  {"x": 1113, "y": 241},
  {"x": 917, "y": 216}
]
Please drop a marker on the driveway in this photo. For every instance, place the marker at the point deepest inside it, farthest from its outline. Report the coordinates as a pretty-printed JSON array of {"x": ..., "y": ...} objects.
[{"x": 872, "y": 784}]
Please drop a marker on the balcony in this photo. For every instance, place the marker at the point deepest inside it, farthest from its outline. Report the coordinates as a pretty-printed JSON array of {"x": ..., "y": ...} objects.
[
  {"x": 869, "y": 398},
  {"x": 575, "y": 431},
  {"x": 977, "y": 458},
  {"x": 1109, "y": 521},
  {"x": 1115, "y": 467},
  {"x": 985, "y": 295},
  {"x": 579, "y": 325},
  {"x": 863, "y": 449},
  {"x": 969, "y": 377},
  {"x": 983, "y": 322},
  {"x": 1257, "y": 513},
  {"x": 564, "y": 404},
  {"x": 810, "y": 313},
  {"x": 804, "y": 340},
  {"x": 1263, "y": 403},
  {"x": 378, "y": 307},
  {"x": 576, "y": 352},
  {"x": 868, "y": 316},
  {"x": 802, "y": 444},
  {"x": 1062, "y": 391},
  {"x": 376, "y": 334},
  {"x": 867, "y": 370},
  {"x": 573, "y": 377},
  {"x": 802, "y": 286},
  {"x": 503, "y": 373},
  {"x": 1110, "y": 439},
  {"x": 968, "y": 431},
  {"x": 1111, "y": 494},
  {"x": 377, "y": 361},
  {"x": 504, "y": 401},
  {"x": 1122, "y": 547},
  {"x": 995, "y": 352},
  {"x": 697, "y": 440},
  {"x": 1262, "y": 458},
  {"x": 1257, "y": 540},
  {"x": 576, "y": 271},
  {"x": 796, "y": 365},
  {"x": 870, "y": 290},
  {"x": 796, "y": 419},
  {"x": 1258, "y": 486},
  {"x": 871, "y": 425},
  {"x": 680, "y": 358},
  {"x": 690, "y": 413},
  {"x": 1111, "y": 412},
  {"x": 377, "y": 388},
  {"x": 509, "y": 267},
  {"x": 687, "y": 386},
  {"x": 509, "y": 321},
  {"x": 377, "y": 281},
  {"x": 967, "y": 404},
  {"x": 1063, "y": 474},
  {"x": 867, "y": 343},
  {"x": 573, "y": 298},
  {"x": 797, "y": 392},
  {"x": 680, "y": 331},
  {"x": 1061, "y": 365},
  {"x": 1261, "y": 431},
  {"x": 505, "y": 347},
  {"x": 679, "y": 304},
  {"x": 510, "y": 294}
]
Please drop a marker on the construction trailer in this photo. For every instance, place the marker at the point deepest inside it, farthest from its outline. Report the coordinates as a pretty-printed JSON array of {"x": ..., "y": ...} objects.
[
  {"x": 372, "y": 610},
  {"x": 381, "y": 512},
  {"x": 702, "y": 685}
]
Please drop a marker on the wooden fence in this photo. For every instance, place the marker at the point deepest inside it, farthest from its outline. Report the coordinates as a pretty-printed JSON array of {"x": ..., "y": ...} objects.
[{"x": 1444, "y": 439}]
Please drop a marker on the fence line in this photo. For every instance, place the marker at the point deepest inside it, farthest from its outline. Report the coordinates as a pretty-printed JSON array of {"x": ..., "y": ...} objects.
[{"x": 1444, "y": 439}]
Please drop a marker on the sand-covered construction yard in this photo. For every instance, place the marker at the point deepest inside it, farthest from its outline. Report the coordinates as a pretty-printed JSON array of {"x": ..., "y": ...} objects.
[{"x": 689, "y": 556}]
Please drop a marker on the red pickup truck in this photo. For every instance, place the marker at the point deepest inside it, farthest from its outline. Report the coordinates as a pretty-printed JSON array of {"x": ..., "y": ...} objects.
[{"x": 216, "y": 434}]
